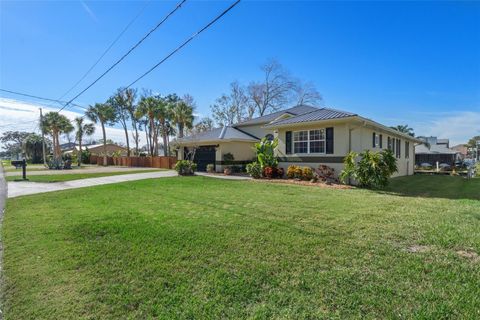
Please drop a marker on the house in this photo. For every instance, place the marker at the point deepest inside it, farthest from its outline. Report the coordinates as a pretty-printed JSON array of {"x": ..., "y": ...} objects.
[
  {"x": 434, "y": 150},
  {"x": 97, "y": 149},
  {"x": 307, "y": 136},
  {"x": 461, "y": 150}
]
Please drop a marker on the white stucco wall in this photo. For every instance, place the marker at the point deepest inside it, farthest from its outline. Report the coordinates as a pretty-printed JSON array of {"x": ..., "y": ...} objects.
[{"x": 361, "y": 139}]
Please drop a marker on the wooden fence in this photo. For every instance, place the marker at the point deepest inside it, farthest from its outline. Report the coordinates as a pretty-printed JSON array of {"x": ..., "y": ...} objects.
[{"x": 147, "y": 162}]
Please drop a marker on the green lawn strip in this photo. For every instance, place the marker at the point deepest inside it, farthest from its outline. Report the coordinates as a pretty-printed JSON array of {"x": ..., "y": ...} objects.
[
  {"x": 197, "y": 247},
  {"x": 74, "y": 176}
]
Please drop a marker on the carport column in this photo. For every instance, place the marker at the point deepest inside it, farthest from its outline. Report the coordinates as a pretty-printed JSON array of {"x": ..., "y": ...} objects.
[
  {"x": 181, "y": 153},
  {"x": 218, "y": 158}
]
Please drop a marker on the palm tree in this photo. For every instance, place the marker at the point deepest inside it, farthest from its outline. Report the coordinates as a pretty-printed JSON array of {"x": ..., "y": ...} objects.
[
  {"x": 148, "y": 107},
  {"x": 182, "y": 114},
  {"x": 105, "y": 114},
  {"x": 54, "y": 123},
  {"x": 404, "y": 129},
  {"x": 83, "y": 129}
]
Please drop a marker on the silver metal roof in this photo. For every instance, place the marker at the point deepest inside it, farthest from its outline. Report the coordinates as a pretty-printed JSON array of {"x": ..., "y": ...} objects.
[
  {"x": 224, "y": 133},
  {"x": 294, "y": 111},
  {"x": 315, "y": 115}
]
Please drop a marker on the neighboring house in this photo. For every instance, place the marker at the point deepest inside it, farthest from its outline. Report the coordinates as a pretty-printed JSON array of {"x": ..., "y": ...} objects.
[
  {"x": 97, "y": 149},
  {"x": 434, "y": 150},
  {"x": 67, "y": 146},
  {"x": 461, "y": 150},
  {"x": 307, "y": 136}
]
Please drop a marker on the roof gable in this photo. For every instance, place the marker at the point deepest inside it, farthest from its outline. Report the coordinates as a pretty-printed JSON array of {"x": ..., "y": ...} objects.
[
  {"x": 315, "y": 115},
  {"x": 294, "y": 111}
]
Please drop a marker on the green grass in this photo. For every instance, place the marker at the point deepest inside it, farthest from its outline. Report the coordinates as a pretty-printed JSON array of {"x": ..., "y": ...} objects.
[
  {"x": 203, "y": 248},
  {"x": 74, "y": 176}
]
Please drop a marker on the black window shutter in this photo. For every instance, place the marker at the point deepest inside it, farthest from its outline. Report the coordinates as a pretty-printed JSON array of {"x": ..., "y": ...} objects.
[
  {"x": 373, "y": 140},
  {"x": 329, "y": 140},
  {"x": 399, "y": 146},
  {"x": 381, "y": 141},
  {"x": 288, "y": 142}
]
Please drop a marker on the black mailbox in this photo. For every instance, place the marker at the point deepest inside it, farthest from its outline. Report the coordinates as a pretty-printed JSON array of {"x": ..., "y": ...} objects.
[{"x": 23, "y": 165}]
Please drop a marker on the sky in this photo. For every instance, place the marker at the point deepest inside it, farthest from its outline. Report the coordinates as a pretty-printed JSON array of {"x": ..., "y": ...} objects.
[{"x": 415, "y": 63}]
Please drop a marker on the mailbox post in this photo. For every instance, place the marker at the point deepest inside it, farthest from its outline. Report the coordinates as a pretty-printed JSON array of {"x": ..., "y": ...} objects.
[{"x": 22, "y": 163}]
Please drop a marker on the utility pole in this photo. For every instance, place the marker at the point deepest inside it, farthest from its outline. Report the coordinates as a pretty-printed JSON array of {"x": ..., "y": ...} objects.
[{"x": 43, "y": 139}]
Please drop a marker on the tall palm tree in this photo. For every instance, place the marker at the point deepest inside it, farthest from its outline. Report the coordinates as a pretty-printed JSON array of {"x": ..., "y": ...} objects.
[
  {"x": 404, "y": 129},
  {"x": 182, "y": 114},
  {"x": 148, "y": 107},
  {"x": 54, "y": 123},
  {"x": 104, "y": 114},
  {"x": 83, "y": 129}
]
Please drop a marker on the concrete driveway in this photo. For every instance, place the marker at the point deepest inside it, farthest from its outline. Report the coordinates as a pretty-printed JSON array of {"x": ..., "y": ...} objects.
[{"x": 22, "y": 188}]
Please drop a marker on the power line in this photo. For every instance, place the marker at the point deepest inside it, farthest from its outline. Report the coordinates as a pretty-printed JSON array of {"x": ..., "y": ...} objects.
[
  {"x": 178, "y": 6},
  {"x": 106, "y": 51},
  {"x": 40, "y": 98},
  {"x": 185, "y": 42}
]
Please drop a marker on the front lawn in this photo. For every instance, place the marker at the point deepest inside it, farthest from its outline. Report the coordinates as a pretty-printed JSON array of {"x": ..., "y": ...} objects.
[
  {"x": 74, "y": 176},
  {"x": 204, "y": 248}
]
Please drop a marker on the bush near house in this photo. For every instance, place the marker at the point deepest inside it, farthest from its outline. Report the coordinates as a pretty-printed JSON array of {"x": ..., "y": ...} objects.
[
  {"x": 254, "y": 170},
  {"x": 210, "y": 168},
  {"x": 372, "y": 170},
  {"x": 185, "y": 167}
]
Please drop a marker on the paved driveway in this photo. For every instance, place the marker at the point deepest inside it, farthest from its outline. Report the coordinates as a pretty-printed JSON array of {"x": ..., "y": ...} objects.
[{"x": 22, "y": 188}]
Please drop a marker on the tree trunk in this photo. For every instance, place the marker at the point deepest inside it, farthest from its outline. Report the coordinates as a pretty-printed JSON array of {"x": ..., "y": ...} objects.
[
  {"x": 126, "y": 138},
  {"x": 79, "y": 154},
  {"x": 136, "y": 139},
  {"x": 104, "y": 145},
  {"x": 155, "y": 140},
  {"x": 180, "y": 130}
]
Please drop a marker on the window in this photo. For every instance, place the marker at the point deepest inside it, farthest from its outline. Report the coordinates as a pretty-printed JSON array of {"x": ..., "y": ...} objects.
[
  {"x": 317, "y": 141},
  {"x": 407, "y": 149},
  {"x": 376, "y": 140},
  {"x": 381, "y": 141},
  {"x": 389, "y": 144},
  {"x": 398, "y": 148},
  {"x": 300, "y": 142},
  {"x": 312, "y": 141}
]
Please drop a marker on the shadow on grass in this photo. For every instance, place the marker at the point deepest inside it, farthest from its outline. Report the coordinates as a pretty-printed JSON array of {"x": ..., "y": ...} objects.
[{"x": 433, "y": 186}]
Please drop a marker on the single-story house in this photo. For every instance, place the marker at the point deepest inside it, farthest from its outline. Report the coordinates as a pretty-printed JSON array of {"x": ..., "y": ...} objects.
[
  {"x": 97, "y": 149},
  {"x": 307, "y": 136},
  {"x": 434, "y": 150},
  {"x": 461, "y": 150}
]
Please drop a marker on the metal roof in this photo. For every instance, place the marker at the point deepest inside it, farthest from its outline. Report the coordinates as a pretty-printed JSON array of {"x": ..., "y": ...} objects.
[
  {"x": 223, "y": 133},
  {"x": 315, "y": 115},
  {"x": 294, "y": 111},
  {"x": 433, "y": 149}
]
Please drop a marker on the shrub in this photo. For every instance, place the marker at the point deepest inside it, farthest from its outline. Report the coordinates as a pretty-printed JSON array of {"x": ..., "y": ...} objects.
[
  {"x": 185, "y": 167},
  {"x": 266, "y": 153},
  {"x": 294, "y": 172},
  {"x": 85, "y": 156},
  {"x": 280, "y": 172},
  {"x": 307, "y": 173},
  {"x": 254, "y": 170},
  {"x": 326, "y": 173},
  {"x": 372, "y": 170},
  {"x": 210, "y": 168},
  {"x": 270, "y": 172}
]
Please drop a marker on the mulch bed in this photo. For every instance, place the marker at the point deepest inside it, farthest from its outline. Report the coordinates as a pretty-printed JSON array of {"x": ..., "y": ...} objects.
[{"x": 306, "y": 183}]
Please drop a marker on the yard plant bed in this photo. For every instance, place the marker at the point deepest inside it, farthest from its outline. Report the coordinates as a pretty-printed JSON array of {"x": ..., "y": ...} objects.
[{"x": 205, "y": 248}]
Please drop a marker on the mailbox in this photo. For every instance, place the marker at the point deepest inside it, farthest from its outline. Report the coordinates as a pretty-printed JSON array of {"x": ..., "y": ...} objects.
[{"x": 23, "y": 165}]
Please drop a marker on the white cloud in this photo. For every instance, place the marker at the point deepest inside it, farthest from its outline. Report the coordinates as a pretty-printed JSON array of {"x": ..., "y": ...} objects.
[
  {"x": 458, "y": 126},
  {"x": 24, "y": 116}
]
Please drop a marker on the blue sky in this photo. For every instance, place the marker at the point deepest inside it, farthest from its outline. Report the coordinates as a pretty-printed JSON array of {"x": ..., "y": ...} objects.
[{"x": 394, "y": 62}]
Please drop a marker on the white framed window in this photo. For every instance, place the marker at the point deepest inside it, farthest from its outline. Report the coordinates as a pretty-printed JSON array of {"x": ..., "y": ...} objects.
[{"x": 309, "y": 141}]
